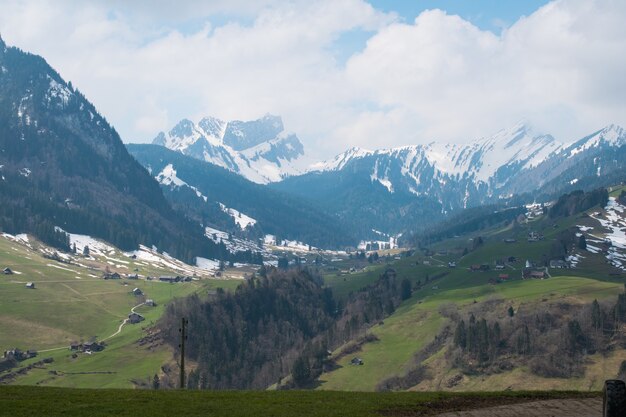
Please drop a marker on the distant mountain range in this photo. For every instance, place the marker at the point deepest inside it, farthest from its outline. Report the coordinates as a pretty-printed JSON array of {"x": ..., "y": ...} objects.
[
  {"x": 62, "y": 164},
  {"x": 259, "y": 150},
  {"x": 395, "y": 190},
  {"x": 409, "y": 187}
]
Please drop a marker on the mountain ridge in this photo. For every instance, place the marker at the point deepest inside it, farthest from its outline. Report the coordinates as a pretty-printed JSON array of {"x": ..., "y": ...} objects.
[{"x": 259, "y": 150}]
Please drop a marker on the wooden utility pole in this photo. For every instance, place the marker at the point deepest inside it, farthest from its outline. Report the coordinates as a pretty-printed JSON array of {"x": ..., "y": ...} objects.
[{"x": 183, "y": 338}]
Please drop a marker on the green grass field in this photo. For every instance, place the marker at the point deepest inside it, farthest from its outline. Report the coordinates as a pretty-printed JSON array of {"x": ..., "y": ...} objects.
[
  {"x": 33, "y": 401},
  {"x": 71, "y": 303},
  {"x": 417, "y": 320}
]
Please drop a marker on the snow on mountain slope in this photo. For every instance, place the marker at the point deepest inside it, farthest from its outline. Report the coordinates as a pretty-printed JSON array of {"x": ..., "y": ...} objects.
[
  {"x": 259, "y": 150},
  {"x": 241, "y": 219},
  {"x": 487, "y": 164},
  {"x": 611, "y": 135}
]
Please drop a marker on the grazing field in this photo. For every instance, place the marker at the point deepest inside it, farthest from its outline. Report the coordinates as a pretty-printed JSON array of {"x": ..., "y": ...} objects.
[
  {"x": 437, "y": 286},
  {"x": 34, "y": 401},
  {"x": 72, "y": 303}
]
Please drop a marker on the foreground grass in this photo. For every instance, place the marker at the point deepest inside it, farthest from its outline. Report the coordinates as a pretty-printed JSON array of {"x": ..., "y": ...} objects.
[{"x": 37, "y": 401}]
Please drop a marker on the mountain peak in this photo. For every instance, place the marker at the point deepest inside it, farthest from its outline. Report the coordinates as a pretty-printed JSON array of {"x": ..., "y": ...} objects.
[
  {"x": 259, "y": 149},
  {"x": 183, "y": 128}
]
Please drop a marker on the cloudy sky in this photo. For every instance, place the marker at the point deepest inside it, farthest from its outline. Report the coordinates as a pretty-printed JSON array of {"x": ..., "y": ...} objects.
[{"x": 341, "y": 73}]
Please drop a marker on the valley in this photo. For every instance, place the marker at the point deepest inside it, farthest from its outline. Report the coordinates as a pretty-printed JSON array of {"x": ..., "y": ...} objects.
[{"x": 495, "y": 265}]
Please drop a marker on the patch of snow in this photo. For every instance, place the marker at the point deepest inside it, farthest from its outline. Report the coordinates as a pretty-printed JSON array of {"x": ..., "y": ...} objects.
[
  {"x": 96, "y": 247},
  {"x": 208, "y": 264},
  {"x": 168, "y": 177},
  {"x": 241, "y": 219},
  {"x": 60, "y": 267}
]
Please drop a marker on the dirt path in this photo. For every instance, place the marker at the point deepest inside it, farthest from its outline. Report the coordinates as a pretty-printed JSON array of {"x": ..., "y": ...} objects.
[{"x": 588, "y": 407}]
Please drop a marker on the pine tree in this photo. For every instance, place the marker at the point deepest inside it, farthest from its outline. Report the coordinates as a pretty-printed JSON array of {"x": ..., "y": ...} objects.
[
  {"x": 155, "y": 382},
  {"x": 511, "y": 311},
  {"x": 301, "y": 371},
  {"x": 582, "y": 242},
  {"x": 460, "y": 335},
  {"x": 405, "y": 289},
  {"x": 596, "y": 315}
]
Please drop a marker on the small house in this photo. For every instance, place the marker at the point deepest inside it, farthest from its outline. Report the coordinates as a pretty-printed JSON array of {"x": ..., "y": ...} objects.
[
  {"x": 356, "y": 361},
  {"x": 500, "y": 267},
  {"x": 451, "y": 264},
  {"x": 112, "y": 275},
  {"x": 133, "y": 276},
  {"x": 74, "y": 346},
  {"x": 475, "y": 267},
  {"x": 538, "y": 274},
  {"x": 150, "y": 302},
  {"x": 135, "y": 318},
  {"x": 7, "y": 271},
  {"x": 171, "y": 280},
  {"x": 558, "y": 264},
  {"x": 30, "y": 285},
  {"x": 92, "y": 347},
  {"x": 137, "y": 291},
  {"x": 485, "y": 267}
]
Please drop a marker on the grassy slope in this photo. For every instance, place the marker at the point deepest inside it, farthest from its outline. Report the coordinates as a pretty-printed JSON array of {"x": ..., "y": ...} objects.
[
  {"x": 30, "y": 401},
  {"x": 69, "y": 304},
  {"x": 417, "y": 321}
]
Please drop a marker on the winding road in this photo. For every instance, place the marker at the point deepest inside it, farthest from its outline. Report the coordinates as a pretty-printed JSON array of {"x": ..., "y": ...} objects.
[{"x": 119, "y": 329}]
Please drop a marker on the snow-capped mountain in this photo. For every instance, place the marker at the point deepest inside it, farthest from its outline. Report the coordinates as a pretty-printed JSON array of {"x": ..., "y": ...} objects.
[
  {"x": 395, "y": 189},
  {"x": 490, "y": 164},
  {"x": 260, "y": 150}
]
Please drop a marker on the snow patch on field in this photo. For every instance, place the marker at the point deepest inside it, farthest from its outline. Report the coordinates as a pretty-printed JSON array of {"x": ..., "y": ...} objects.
[
  {"x": 208, "y": 264},
  {"x": 60, "y": 267},
  {"x": 96, "y": 247}
]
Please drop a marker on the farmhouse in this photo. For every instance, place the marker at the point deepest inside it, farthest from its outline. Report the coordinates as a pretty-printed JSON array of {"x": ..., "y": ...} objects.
[
  {"x": 18, "y": 354},
  {"x": 111, "y": 275},
  {"x": 137, "y": 291},
  {"x": 171, "y": 280},
  {"x": 151, "y": 303},
  {"x": 92, "y": 347},
  {"x": 135, "y": 318},
  {"x": 7, "y": 271},
  {"x": 538, "y": 273},
  {"x": 30, "y": 285},
  {"x": 356, "y": 361},
  {"x": 558, "y": 263},
  {"x": 133, "y": 276}
]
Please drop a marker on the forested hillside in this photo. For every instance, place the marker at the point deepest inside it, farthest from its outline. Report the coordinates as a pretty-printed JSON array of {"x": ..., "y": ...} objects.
[
  {"x": 276, "y": 324},
  {"x": 63, "y": 165},
  {"x": 276, "y": 213}
]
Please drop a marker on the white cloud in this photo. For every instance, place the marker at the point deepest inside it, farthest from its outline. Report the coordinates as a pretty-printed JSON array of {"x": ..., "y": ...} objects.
[
  {"x": 559, "y": 67},
  {"x": 147, "y": 65}
]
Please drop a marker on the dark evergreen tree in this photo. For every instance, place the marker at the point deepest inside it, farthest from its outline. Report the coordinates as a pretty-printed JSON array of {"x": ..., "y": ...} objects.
[
  {"x": 405, "y": 289},
  {"x": 460, "y": 335}
]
